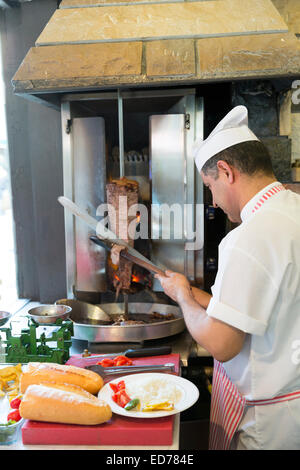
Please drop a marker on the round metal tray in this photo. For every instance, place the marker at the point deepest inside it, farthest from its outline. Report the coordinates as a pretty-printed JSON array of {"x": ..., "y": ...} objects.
[{"x": 88, "y": 328}]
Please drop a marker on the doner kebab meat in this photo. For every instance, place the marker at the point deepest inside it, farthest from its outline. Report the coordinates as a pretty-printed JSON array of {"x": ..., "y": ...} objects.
[{"x": 121, "y": 195}]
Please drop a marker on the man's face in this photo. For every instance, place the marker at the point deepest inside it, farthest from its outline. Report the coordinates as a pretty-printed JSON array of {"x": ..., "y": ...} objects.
[{"x": 222, "y": 195}]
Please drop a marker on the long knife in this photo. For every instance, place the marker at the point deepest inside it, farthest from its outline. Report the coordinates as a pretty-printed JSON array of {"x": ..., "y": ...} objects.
[
  {"x": 143, "y": 352},
  {"x": 104, "y": 371},
  {"x": 103, "y": 233},
  {"x": 124, "y": 253}
]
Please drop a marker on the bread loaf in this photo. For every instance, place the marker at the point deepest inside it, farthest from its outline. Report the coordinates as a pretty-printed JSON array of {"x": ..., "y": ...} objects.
[
  {"x": 38, "y": 372},
  {"x": 59, "y": 403}
]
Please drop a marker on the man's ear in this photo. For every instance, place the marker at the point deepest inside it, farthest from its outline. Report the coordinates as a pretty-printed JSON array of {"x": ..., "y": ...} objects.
[{"x": 227, "y": 170}]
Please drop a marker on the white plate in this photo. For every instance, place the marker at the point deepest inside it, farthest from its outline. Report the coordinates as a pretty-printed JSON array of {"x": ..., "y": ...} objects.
[{"x": 189, "y": 395}]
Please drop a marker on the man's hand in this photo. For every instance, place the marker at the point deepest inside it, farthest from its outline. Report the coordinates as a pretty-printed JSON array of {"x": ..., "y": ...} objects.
[
  {"x": 223, "y": 341},
  {"x": 175, "y": 285}
]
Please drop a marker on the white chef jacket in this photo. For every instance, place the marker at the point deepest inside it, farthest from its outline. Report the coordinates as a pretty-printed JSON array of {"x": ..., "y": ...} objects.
[{"x": 257, "y": 290}]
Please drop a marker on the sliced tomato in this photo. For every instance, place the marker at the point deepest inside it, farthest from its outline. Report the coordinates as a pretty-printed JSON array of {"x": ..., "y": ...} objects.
[
  {"x": 117, "y": 361},
  {"x": 123, "y": 398},
  {"x": 15, "y": 403},
  {"x": 122, "y": 361},
  {"x": 121, "y": 385},
  {"x": 15, "y": 415},
  {"x": 115, "y": 398},
  {"x": 107, "y": 362},
  {"x": 114, "y": 387}
]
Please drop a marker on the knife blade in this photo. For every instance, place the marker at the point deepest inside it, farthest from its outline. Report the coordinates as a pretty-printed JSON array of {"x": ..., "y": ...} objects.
[
  {"x": 143, "y": 352},
  {"x": 102, "y": 232},
  {"x": 146, "y": 265},
  {"x": 104, "y": 371}
]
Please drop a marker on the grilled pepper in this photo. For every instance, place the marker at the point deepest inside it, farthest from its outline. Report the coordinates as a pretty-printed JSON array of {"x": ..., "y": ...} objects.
[{"x": 132, "y": 404}]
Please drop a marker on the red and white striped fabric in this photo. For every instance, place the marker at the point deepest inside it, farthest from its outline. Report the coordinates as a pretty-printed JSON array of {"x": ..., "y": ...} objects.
[
  {"x": 267, "y": 195},
  {"x": 227, "y": 408},
  {"x": 227, "y": 404}
]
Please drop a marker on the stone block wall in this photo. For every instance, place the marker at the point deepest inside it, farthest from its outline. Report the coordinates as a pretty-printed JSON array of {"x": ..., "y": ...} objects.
[
  {"x": 261, "y": 98},
  {"x": 101, "y": 43},
  {"x": 290, "y": 115}
]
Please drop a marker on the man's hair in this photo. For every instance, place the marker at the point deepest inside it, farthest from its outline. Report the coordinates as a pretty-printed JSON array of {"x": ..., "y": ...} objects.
[{"x": 250, "y": 158}]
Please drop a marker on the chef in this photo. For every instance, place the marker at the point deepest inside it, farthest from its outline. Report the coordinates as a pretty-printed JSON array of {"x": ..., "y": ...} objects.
[{"x": 251, "y": 321}]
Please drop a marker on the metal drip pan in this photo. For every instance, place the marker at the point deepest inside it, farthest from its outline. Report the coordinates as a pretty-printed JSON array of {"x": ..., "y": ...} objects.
[{"x": 94, "y": 330}]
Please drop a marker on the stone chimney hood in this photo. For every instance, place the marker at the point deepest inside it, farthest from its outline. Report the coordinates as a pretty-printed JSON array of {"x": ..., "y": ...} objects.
[{"x": 100, "y": 44}]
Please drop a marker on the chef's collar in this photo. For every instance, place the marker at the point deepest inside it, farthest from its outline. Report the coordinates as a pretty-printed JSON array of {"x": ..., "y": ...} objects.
[{"x": 260, "y": 199}]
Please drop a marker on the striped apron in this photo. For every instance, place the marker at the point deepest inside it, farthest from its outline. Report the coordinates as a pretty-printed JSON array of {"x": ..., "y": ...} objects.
[
  {"x": 227, "y": 408},
  {"x": 227, "y": 404}
]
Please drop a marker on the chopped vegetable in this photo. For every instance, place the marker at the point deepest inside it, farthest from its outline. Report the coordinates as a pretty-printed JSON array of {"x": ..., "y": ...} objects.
[
  {"x": 119, "y": 386},
  {"x": 14, "y": 415},
  {"x": 15, "y": 403},
  {"x": 121, "y": 398},
  {"x": 122, "y": 361},
  {"x": 117, "y": 361},
  {"x": 114, "y": 387},
  {"x": 8, "y": 431},
  {"x": 11, "y": 421},
  {"x": 132, "y": 404},
  {"x": 106, "y": 362}
]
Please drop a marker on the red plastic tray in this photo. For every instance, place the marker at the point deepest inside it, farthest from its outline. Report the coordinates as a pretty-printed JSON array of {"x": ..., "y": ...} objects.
[{"x": 119, "y": 431}]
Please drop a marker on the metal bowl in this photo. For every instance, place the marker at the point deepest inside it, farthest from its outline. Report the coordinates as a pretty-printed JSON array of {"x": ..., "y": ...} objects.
[
  {"x": 49, "y": 313},
  {"x": 4, "y": 316}
]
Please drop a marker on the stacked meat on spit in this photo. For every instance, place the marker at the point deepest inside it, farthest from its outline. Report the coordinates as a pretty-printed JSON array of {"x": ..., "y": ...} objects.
[{"x": 121, "y": 195}]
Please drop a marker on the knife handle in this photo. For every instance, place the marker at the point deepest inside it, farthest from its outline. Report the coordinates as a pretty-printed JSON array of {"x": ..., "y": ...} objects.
[
  {"x": 104, "y": 243},
  {"x": 163, "y": 350}
]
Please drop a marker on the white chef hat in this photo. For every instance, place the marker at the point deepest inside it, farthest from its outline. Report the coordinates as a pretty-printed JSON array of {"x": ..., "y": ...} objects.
[{"x": 232, "y": 129}]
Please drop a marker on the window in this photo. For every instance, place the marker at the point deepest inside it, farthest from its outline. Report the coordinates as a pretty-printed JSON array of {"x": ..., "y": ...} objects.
[{"x": 8, "y": 284}]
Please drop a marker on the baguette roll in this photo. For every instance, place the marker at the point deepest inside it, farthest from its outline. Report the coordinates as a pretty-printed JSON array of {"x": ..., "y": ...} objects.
[
  {"x": 62, "y": 403},
  {"x": 38, "y": 372}
]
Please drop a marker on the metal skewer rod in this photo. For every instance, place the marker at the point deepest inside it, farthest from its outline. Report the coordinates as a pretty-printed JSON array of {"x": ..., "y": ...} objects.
[
  {"x": 126, "y": 317},
  {"x": 122, "y": 170},
  {"x": 121, "y": 134}
]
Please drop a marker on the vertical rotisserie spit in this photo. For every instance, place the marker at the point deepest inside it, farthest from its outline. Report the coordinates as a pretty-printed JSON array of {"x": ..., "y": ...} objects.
[{"x": 122, "y": 194}]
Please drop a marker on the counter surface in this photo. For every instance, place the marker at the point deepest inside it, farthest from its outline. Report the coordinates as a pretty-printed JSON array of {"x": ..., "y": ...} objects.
[{"x": 182, "y": 344}]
